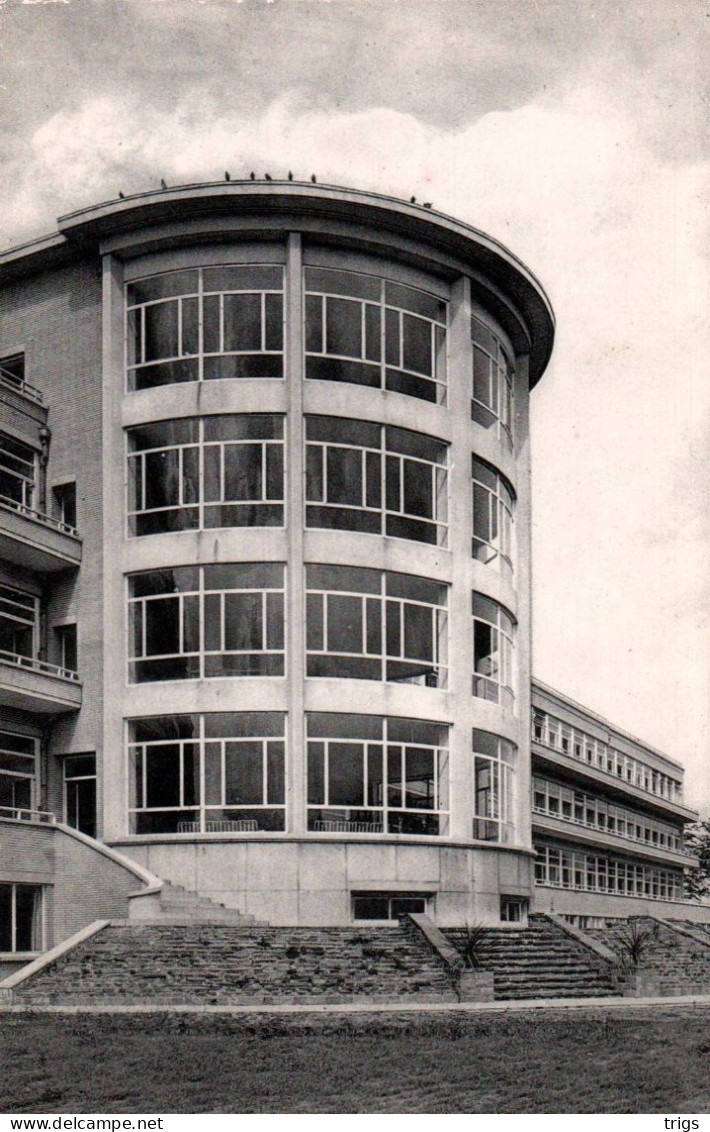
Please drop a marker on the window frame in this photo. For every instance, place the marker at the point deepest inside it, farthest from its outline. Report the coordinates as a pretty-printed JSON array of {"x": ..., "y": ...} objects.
[
  {"x": 137, "y": 479},
  {"x": 389, "y": 311},
  {"x": 12, "y": 464},
  {"x": 31, "y": 777},
  {"x": 501, "y": 503},
  {"x": 499, "y": 685},
  {"x": 378, "y": 479},
  {"x": 549, "y": 731},
  {"x": 28, "y": 622},
  {"x": 373, "y": 817},
  {"x": 72, "y": 779},
  {"x": 493, "y": 802},
  {"x": 500, "y": 407},
  {"x": 199, "y": 354},
  {"x": 138, "y": 606},
  {"x": 37, "y": 930},
  {"x": 560, "y": 866},
  {"x": 377, "y": 610},
  {"x": 195, "y": 820},
  {"x": 425, "y": 898}
]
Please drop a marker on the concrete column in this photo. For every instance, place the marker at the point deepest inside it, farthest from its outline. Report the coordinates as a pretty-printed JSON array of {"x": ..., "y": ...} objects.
[
  {"x": 523, "y": 524},
  {"x": 112, "y": 773},
  {"x": 460, "y": 633},
  {"x": 295, "y": 616}
]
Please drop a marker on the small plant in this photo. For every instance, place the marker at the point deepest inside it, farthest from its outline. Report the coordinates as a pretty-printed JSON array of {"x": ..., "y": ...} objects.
[
  {"x": 634, "y": 940},
  {"x": 473, "y": 944}
]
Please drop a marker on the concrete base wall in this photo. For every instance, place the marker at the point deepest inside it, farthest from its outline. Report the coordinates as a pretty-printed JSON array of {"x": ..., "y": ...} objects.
[
  {"x": 567, "y": 902},
  {"x": 294, "y": 882}
]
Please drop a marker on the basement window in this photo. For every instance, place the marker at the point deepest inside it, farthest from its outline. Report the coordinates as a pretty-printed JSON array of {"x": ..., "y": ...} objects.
[
  {"x": 386, "y": 906},
  {"x": 512, "y": 909}
]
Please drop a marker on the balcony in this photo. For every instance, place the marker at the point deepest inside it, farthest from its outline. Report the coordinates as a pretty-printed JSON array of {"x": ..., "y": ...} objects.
[
  {"x": 611, "y": 786},
  {"x": 594, "y": 837},
  {"x": 12, "y": 381},
  {"x": 29, "y": 538},
  {"x": 33, "y": 685}
]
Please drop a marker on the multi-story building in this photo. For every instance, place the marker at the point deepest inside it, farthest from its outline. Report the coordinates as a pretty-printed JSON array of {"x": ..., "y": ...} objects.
[
  {"x": 265, "y": 574},
  {"x": 607, "y": 815}
]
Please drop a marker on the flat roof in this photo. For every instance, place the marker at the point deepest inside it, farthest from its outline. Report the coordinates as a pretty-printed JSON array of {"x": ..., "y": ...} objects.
[{"x": 83, "y": 231}]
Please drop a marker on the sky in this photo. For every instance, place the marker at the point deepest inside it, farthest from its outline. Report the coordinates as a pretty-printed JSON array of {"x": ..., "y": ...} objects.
[{"x": 575, "y": 132}]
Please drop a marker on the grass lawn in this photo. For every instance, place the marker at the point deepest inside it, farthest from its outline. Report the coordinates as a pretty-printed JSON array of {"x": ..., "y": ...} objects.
[{"x": 589, "y": 1061}]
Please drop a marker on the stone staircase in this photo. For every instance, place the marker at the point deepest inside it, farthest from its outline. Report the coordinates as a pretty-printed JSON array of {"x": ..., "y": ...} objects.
[
  {"x": 700, "y": 931},
  {"x": 539, "y": 961},
  {"x": 220, "y": 963},
  {"x": 675, "y": 955}
]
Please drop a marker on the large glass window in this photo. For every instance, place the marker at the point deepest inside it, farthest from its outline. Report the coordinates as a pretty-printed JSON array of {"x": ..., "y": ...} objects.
[
  {"x": 222, "y": 772},
  {"x": 492, "y": 651},
  {"x": 198, "y": 473},
  {"x": 80, "y": 793},
  {"x": 372, "y": 775},
  {"x": 493, "y": 768},
  {"x": 493, "y": 504},
  {"x": 18, "y": 472},
  {"x": 205, "y": 323},
  {"x": 21, "y": 918},
  {"x": 192, "y": 622},
  {"x": 561, "y": 867},
  {"x": 375, "y": 332},
  {"x": 18, "y": 773},
  {"x": 19, "y": 621},
  {"x": 552, "y": 732},
  {"x": 493, "y": 381},
  {"x": 376, "y": 479},
  {"x": 368, "y": 625},
  {"x": 558, "y": 801}
]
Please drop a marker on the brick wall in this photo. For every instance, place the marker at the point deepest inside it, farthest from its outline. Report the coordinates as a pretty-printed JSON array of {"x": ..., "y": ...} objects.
[
  {"x": 56, "y": 319},
  {"x": 82, "y": 884}
]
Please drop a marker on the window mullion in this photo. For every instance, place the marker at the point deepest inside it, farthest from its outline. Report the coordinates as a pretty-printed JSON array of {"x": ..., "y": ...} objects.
[
  {"x": 265, "y": 771},
  {"x": 201, "y": 475}
]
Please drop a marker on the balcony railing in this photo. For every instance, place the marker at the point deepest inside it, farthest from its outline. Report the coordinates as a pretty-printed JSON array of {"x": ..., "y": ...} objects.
[
  {"x": 37, "y": 516},
  {"x": 36, "y": 665},
  {"x": 597, "y": 828},
  {"x": 17, "y": 813},
  {"x": 598, "y": 756},
  {"x": 11, "y": 382}
]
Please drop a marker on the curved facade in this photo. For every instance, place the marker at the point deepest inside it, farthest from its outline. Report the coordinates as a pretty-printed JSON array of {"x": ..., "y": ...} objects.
[
  {"x": 316, "y": 429},
  {"x": 265, "y": 580},
  {"x": 312, "y": 655}
]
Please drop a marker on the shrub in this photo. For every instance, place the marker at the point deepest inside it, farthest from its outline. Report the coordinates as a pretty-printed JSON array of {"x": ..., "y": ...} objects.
[
  {"x": 473, "y": 944},
  {"x": 634, "y": 940}
]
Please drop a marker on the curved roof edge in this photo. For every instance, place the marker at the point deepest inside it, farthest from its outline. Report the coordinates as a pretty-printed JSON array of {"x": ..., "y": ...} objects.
[{"x": 83, "y": 230}]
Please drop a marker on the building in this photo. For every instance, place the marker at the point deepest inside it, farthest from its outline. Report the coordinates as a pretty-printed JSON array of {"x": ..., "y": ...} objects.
[
  {"x": 265, "y": 577},
  {"x": 608, "y": 818}
]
